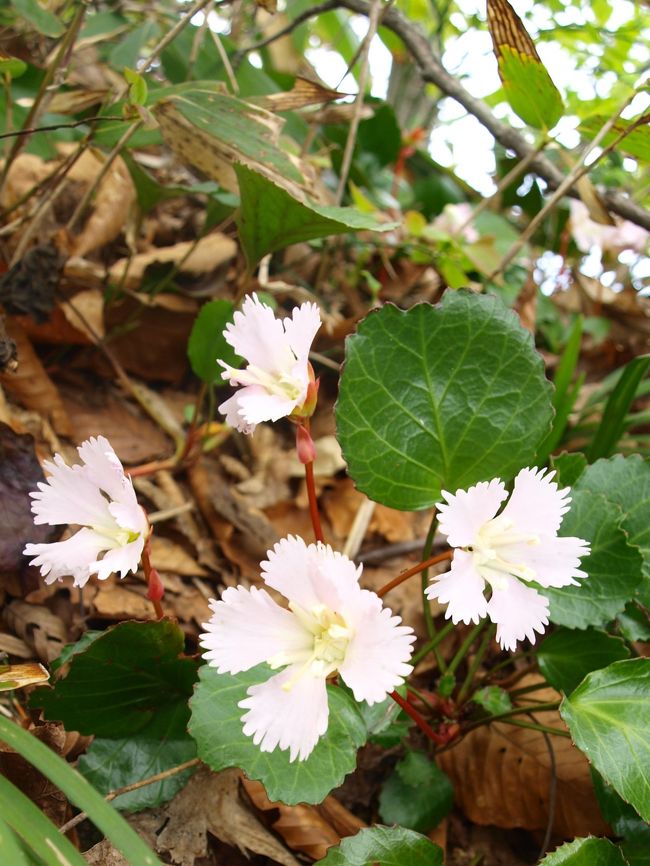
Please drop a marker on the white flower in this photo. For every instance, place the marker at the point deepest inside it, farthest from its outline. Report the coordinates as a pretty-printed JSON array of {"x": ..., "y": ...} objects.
[
  {"x": 521, "y": 544},
  {"x": 277, "y": 377},
  {"x": 453, "y": 217},
  {"x": 331, "y": 625},
  {"x": 588, "y": 233},
  {"x": 99, "y": 497}
]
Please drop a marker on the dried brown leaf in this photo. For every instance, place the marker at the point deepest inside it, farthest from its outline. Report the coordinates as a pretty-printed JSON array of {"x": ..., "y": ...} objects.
[
  {"x": 30, "y": 384},
  {"x": 502, "y": 775},
  {"x": 211, "y": 803},
  {"x": 38, "y": 627},
  {"x": 306, "y": 828},
  {"x": 113, "y": 201},
  {"x": 304, "y": 92},
  {"x": 208, "y": 253},
  {"x": 167, "y": 555},
  {"x": 19, "y": 676}
]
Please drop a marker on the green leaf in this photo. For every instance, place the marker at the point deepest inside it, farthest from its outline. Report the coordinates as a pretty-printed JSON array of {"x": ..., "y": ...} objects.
[
  {"x": 114, "y": 763},
  {"x": 493, "y": 699},
  {"x": 207, "y": 342},
  {"x": 569, "y": 468},
  {"x": 623, "y": 819},
  {"x": 271, "y": 217},
  {"x": 11, "y": 66},
  {"x": 78, "y": 791},
  {"x": 625, "y": 481},
  {"x": 585, "y": 852},
  {"x": 529, "y": 89},
  {"x": 636, "y": 142},
  {"x": 566, "y": 657},
  {"x": 613, "y": 423},
  {"x": 634, "y": 623},
  {"x": 119, "y": 684},
  {"x": 42, "y": 19},
  {"x": 417, "y": 795},
  {"x": 565, "y": 394},
  {"x": 10, "y": 848},
  {"x": 636, "y": 848},
  {"x": 384, "y": 846},
  {"x": 607, "y": 716},
  {"x": 439, "y": 398},
  {"x": 138, "y": 89},
  {"x": 386, "y": 723},
  {"x": 613, "y": 566},
  {"x": 217, "y": 728},
  {"x": 38, "y": 832}
]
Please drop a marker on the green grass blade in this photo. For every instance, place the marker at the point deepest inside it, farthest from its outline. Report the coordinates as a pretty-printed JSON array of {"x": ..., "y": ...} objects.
[
  {"x": 11, "y": 850},
  {"x": 81, "y": 793},
  {"x": 612, "y": 425},
  {"x": 27, "y": 820}
]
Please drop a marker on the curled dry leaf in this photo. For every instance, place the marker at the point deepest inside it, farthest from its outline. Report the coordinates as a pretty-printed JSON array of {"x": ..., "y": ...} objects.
[
  {"x": 311, "y": 830},
  {"x": 211, "y": 803},
  {"x": 191, "y": 257},
  {"x": 113, "y": 201},
  {"x": 30, "y": 385},
  {"x": 502, "y": 775},
  {"x": 38, "y": 627}
]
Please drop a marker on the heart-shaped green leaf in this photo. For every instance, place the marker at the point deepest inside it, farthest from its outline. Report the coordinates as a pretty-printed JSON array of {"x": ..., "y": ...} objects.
[
  {"x": 613, "y": 566},
  {"x": 439, "y": 398},
  {"x": 217, "y": 728},
  {"x": 385, "y": 846},
  {"x": 607, "y": 716}
]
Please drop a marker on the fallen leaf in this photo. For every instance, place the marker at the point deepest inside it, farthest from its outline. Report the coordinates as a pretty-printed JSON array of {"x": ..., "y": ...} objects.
[
  {"x": 95, "y": 410},
  {"x": 44, "y": 632},
  {"x": 211, "y": 803},
  {"x": 30, "y": 384},
  {"x": 117, "y": 601},
  {"x": 308, "y": 829},
  {"x": 191, "y": 257},
  {"x": 502, "y": 775},
  {"x": 20, "y": 472},
  {"x": 19, "y": 676},
  {"x": 113, "y": 201},
  {"x": 167, "y": 555},
  {"x": 85, "y": 312}
]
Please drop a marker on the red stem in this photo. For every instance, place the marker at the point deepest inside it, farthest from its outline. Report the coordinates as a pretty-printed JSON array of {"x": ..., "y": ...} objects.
[
  {"x": 421, "y": 566},
  {"x": 313, "y": 502},
  {"x": 419, "y": 721}
]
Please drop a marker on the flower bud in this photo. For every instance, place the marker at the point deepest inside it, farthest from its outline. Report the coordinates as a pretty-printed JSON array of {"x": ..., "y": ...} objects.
[
  {"x": 305, "y": 446},
  {"x": 155, "y": 589}
]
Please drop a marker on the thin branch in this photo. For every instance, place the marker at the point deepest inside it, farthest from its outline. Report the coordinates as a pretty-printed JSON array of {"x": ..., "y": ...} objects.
[
  {"x": 158, "y": 777},
  {"x": 433, "y": 72},
  {"x": 578, "y": 171},
  {"x": 55, "y": 126},
  {"x": 364, "y": 56},
  {"x": 552, "y": 793},
  {"x": 312, "y": 12}
]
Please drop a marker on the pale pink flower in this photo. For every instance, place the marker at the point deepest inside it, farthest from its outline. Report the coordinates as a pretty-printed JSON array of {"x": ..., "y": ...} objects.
[
  {"x": 453, "y": 218},
  {"x": 276, "y": 380},
  {"x": 331, "y": 625},
  {"x": 504, "y": 552},
  {"x": 100, "y": 498},
  {"x": 588, "y": 233}
]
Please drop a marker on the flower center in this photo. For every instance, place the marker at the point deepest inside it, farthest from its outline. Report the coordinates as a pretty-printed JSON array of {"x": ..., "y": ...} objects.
[
  {"x": 281, "y": 384},
  {"x": 491, "y": 559},
  {"x": 331, "y": 636},
  {"x": 118, "y": 536}
]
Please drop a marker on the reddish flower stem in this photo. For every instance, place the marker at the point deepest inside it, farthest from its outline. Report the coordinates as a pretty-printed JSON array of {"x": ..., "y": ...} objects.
[
  {"x": 421, "y": 566},
  {"x": 424, "y": 726},
  {"x": 313, "y": 502}
]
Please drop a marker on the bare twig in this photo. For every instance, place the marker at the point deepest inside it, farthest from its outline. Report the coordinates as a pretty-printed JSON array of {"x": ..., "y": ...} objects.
[
  {"x": 55, "y": 126},
  {"x": 432, "y": 71},
  {"x": 158, "y": 777},
  {"x": 374, "y": 13},
  {"x": 312, "y": 12},
  {"x": 578, "y": 171}
]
